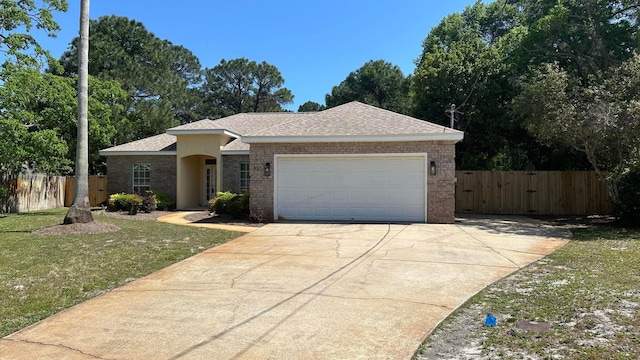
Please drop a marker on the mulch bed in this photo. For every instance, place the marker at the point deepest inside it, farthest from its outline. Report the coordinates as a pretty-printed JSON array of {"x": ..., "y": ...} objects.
[{"x": 96, "y": 227}]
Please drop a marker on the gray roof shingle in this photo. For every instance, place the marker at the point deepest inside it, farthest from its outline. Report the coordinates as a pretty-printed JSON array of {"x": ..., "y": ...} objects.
[
  {"x": 354, "y": 119},
  {"x": 235, "y": 145},
  {"x": 157, "y": 143}
]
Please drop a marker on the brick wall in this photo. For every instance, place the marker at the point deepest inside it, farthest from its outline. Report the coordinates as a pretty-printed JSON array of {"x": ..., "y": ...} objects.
[
  {"x": 231, "y": 172},
  {"x": 440, "y": 188},
  {"x": 163, "y": 173}
]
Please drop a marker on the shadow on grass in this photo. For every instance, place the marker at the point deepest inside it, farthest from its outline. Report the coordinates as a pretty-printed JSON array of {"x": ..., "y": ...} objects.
[
  {"x": 606, "y": 232},
  {"x": 15, "y": 232},
  {"x": 36, "y": 213},
  {"x": 512, "y": 225}
]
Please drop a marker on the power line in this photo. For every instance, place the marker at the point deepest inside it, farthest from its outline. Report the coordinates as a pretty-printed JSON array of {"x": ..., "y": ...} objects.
[{"x": 478, "y": 74}]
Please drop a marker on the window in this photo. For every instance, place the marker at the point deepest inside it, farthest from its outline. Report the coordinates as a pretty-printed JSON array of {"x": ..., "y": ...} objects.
[
  {"x": 244, "y": 177},
  {"x": 141, "y": 178}
]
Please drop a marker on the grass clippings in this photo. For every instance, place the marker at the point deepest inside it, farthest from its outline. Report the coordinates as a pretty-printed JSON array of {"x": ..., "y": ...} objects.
[
  {"x": 588, "y": 291},
  {"x": 41, "y": 275}
]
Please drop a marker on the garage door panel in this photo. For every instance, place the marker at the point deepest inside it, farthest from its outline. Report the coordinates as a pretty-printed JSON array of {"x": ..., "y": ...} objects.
[{"x": 351, "y": 188}]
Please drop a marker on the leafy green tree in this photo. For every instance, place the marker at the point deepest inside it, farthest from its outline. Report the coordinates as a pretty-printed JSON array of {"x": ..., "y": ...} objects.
[
  {"x": 17, "y": 19},
  {"x": 376, "y": 83},
  {"x": 602, "y": 120},
  {"x": 469, "y": 60},
  {"x": 240, "y": 85},
  {"x": 311, "y": 106},
  {"x": 47, "y": 102},
  {"x": 582, "y": 36},
  {"x": 22, "y": 148},
  {"x": 159, "y": 77}
]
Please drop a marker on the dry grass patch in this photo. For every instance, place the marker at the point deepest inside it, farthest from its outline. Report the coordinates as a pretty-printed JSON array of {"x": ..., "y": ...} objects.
[
  {"x": 588, "y": 291},
  {"x": 44, "y": 274}
]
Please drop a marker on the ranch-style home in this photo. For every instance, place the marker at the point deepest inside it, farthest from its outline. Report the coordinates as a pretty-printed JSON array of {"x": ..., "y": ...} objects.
[{"x": 353, "y": 162}]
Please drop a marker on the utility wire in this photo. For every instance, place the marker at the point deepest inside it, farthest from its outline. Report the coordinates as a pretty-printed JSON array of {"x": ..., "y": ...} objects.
[{"x": 491, "y": 42}]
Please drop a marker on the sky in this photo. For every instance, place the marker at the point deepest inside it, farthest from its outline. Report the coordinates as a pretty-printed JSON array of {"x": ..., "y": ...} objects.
[{"x": 314, "y": 44}]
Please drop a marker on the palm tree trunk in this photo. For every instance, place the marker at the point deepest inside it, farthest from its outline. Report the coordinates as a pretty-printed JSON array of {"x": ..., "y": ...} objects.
[{"x": 80, "y": 211}]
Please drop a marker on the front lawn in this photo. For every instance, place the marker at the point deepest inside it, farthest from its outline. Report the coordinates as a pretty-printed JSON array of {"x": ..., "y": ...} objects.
[
  {"x": 41, "y": 275},
  {"x": 587, "y": 292}
]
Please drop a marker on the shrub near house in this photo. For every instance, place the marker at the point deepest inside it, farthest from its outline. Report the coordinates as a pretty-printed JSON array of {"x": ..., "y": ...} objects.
[
  {"x": 132, "y": 203},
  {"x": 236, "y": 205}
]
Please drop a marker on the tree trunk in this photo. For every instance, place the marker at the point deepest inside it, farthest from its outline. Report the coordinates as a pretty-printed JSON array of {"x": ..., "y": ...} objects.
[{"x": 80, "y": 211}]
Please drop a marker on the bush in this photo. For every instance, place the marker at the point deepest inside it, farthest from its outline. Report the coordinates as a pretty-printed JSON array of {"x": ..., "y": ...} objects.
[
  {"x": 230, "y": 203},
  {"x": 163, "y": 201},
  {"x": 134, "y": 202},
  {"x": 125, "y": 202},
  {"x": 238, "y": 207},
  {"x": 220, "y": 203},
  {"x": 117, "y": 202},
  {"x": 629, "y": 194},
  {"x": 149, "y": 202}
]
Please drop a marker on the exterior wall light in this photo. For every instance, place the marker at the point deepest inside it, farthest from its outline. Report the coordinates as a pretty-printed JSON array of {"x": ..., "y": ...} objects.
[
  {"x": 267, "y": 169},
  {"x": 432, "y": 167}
]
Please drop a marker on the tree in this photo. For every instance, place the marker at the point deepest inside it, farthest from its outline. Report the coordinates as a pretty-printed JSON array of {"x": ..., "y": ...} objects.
[
  {"x": 311, "y": 106},
  {"x": 80, "y": 211},
  {"x": 49, "y": 102},
  {"x": 472, "y": 60},
  {"x": 23, "y": 149},
  {"x": 376, "y": 83},
  {"x": 160, "y": 77},
  {"x": 602, "y": 119},
  {"x": 17, "y": 19},
  {"x": 240, "y": 85},
  {"x": 582, "y": 36}
]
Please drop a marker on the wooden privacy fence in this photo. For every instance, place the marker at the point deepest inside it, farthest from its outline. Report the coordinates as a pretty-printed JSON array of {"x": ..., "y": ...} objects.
[
  {"x": 97, "y": 190},
  {"x": 531, "y": 193},
  {"x": 32, "y": 192}
]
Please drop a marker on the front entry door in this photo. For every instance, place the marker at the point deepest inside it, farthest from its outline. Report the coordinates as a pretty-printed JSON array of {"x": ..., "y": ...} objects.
[{"x": 209, "y": 183}]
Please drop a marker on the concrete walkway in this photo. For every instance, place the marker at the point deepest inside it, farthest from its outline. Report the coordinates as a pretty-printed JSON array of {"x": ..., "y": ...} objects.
[
  {"x": 295, "y": 291},
  {"x": 178, "y": 218}
]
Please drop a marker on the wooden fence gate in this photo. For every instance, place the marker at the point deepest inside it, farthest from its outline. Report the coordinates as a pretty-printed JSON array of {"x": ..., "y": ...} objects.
[
  {"x": 531, "y": 193},
  {"x": 97, "y": 190}
]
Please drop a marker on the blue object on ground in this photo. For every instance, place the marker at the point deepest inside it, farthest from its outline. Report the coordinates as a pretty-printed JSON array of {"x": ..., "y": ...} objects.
[{"x": 490, "y": 320}]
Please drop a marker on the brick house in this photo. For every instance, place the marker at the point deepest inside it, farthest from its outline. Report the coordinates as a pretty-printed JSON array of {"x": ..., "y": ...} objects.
[{"x": 353, "y": 162}]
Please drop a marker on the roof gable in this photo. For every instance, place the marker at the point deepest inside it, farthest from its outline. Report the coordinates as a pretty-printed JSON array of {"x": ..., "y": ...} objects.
[
  {"x": 353, "y": 121},
  {"x": 163, "y": 144},
  {"x": 349, "y": 122}
]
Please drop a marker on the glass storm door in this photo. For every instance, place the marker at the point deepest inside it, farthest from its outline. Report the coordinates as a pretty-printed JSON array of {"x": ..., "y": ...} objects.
[{"x": 209, "y": 183}]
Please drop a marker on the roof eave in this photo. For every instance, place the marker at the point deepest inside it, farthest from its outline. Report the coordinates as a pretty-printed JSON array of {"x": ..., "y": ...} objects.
[
  {"x": 234, "y": 152},
  {"x": 136, "y": 153},
  {"x": 203, "y": 132},
  {"x": 457, "y": 136}
]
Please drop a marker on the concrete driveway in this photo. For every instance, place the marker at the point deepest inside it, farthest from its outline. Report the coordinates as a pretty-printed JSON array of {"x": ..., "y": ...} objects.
[{"x": 295, "y": 291}]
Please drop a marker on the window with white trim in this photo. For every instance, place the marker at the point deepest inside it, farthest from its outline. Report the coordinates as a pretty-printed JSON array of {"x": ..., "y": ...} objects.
[
  {"x": 244, "y": 177},
  {"x": 141, "y": 178}
]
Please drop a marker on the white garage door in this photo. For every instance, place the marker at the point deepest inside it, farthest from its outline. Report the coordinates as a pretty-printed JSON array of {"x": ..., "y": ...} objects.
[{"x": 377, "y": 188}]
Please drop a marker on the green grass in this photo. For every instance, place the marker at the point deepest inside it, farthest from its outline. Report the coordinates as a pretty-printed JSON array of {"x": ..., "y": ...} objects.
[
  {"x": 41, "y": 275},
  {"x": 589, "y": 291}
]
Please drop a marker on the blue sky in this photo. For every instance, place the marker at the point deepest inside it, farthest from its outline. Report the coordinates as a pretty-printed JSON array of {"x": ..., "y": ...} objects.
[{"x": 314, "y": 44}]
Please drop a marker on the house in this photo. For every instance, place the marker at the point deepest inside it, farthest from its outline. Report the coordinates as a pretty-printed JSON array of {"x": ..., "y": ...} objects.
[{"x": 353, "y": 162}]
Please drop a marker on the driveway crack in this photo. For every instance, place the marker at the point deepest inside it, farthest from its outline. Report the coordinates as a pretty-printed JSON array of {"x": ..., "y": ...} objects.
[
  {"x": 58, "y": 346},
  {"x": 233, "y": 281}
]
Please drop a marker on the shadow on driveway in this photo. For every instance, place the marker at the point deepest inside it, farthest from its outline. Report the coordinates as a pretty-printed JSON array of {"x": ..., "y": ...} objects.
[{"x": 291, "y": 290}]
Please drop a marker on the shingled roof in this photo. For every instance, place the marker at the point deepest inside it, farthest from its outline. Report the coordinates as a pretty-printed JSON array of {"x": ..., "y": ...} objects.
[
  {"x": 353, "y": 121},
  {"x": 163, "y": 143}
]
